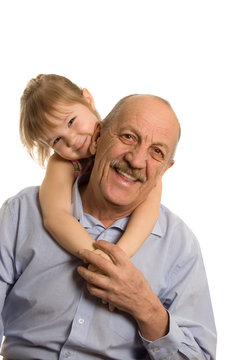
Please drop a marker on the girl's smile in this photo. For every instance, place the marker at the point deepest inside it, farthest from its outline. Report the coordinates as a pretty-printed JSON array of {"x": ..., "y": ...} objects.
[{"x": 73, "y": 127}]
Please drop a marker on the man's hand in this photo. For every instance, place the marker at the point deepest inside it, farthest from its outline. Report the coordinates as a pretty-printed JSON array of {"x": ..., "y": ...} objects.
[{"x": 120, "y": 283}]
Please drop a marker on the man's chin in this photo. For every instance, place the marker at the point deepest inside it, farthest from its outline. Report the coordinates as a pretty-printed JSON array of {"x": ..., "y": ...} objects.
[{"x": 122, "y": 198}]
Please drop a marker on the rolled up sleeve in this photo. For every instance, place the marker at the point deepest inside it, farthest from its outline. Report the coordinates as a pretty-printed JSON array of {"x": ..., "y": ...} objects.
[{"x": 192, "y": 332}]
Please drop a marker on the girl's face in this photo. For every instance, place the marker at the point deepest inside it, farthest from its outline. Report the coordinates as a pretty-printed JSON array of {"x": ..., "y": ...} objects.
[{"x": 73, "y": 128}]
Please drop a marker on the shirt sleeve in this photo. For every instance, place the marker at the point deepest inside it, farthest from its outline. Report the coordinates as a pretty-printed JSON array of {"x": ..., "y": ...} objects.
[
  {"x": 7, "y": 241},
  {"x": 192, "y": 333}
]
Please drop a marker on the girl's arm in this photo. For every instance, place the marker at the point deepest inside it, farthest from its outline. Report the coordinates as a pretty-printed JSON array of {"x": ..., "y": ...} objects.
[
  {"x": 141, "y": 222},
  {"x": 55, "y": 200}
]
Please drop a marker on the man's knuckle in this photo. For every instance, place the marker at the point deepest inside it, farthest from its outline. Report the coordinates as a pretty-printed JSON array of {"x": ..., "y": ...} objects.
[
  {"x": 91, "y": 277},
  {"x": 91, "y": 289}
]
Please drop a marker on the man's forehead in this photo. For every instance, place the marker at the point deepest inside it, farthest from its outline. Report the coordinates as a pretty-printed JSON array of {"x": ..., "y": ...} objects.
[
  {"x": 149, "y": 109},
  {"x": 145, "y": 116}
]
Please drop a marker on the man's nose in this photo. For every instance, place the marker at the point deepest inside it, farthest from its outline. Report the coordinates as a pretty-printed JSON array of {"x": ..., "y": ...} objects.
[{"x": 137, "y": 157}]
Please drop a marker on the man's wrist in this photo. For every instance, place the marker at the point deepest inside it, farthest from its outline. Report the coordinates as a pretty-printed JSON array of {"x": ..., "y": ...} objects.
[{"x": 154, "y": 324}]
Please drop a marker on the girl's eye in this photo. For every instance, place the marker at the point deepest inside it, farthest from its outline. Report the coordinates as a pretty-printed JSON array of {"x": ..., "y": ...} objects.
[
  {"x": 70, "y": 122},
  {"x": 56, "y": 140}
]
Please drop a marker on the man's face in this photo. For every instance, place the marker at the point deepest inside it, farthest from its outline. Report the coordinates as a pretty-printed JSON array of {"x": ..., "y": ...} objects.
[{"x": 135, "y": 151}]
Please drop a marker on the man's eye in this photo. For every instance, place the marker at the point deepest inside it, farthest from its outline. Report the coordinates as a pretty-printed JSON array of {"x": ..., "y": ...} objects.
[
  {"x": 70, "y": 122},
  {"x": 157, "y": 154},
  {"x": 157, "y": 151},
  {"x": 127, "y": 138},
  {"x": 56, "y": 140}
]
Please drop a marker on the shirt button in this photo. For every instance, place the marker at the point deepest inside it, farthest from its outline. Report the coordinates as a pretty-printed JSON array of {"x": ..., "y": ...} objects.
[
  {"x": 155, "y": 348},
  {"x": 81, "y": 321},
  {"x": 67, "y": 355}
]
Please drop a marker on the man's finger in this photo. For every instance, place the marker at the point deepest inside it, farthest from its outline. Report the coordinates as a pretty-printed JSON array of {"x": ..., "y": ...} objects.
[
  {"x": 96, "y": 260},
  {"x": 96, "y": 279},
  {"x": 98, "y": 292}
]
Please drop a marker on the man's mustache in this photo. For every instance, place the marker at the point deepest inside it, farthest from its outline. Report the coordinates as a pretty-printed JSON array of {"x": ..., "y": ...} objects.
[{"x": 125, "y": 168}]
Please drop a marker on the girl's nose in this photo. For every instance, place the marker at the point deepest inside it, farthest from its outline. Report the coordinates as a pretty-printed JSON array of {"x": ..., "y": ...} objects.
[{"x": 70, "y": 140}]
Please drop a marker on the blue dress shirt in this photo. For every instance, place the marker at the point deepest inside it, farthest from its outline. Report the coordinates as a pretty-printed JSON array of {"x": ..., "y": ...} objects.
[{"x": 47, "y": 312}]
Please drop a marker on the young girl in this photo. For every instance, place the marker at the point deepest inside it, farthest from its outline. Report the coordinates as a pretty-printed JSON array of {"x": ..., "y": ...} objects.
[{"x": 56, "y": 114}]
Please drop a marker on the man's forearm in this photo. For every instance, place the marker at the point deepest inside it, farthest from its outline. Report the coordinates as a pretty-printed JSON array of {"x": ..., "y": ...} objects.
[{"x": 153, "y": 322}]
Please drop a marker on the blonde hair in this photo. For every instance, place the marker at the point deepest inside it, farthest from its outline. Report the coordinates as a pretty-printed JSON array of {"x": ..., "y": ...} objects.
[{"x": 39, "y": 99}]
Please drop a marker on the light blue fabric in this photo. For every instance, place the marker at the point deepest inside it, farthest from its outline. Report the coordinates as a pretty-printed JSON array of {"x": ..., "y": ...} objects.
[{"x": 47, "y": 312}]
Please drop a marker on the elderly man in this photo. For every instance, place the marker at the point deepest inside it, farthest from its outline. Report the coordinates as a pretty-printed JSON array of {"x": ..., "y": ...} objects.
[{"x": 161, "y": 297}]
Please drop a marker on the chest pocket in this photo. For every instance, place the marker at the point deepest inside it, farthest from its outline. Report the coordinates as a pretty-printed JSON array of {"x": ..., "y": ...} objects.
[{"x": 123, "y": 325}]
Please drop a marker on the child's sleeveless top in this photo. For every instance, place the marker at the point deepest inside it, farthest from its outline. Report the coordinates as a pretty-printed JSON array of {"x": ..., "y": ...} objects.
[{"x": 83, "y": 167}]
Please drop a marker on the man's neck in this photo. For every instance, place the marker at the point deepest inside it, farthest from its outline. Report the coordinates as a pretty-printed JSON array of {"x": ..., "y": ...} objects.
[{"x": 105, "y": 212}]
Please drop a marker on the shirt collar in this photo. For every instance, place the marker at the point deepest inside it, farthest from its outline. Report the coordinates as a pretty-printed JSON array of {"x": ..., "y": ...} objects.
[{"x": 89, "y": 221}]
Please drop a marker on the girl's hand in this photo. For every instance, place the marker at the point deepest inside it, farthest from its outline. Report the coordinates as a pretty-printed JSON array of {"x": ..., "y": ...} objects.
[{"x": 95, "y": 269}]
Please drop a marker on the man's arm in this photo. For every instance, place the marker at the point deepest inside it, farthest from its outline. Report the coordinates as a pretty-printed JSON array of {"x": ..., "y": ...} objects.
[
  {"x": 123, "y": 285},
  {"x": 7, "y": 237}
]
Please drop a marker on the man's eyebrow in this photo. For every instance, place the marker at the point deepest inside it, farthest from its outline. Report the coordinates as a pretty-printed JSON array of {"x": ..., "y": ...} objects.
[
  {"x": 132, "y": 129},
  {"x": 129, "y": 128},
  {"x": 162, "y": 145}
]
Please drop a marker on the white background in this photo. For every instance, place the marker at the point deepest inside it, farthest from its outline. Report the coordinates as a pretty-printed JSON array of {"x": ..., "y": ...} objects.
[{"x": 185, "y": 51}]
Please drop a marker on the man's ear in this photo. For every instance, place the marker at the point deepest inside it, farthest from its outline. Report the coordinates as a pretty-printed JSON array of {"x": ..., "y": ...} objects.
[
  {"x": 95, "y": 138},
  {"x": 89, "y": 98},
  {"x": 167, "y": 167}
]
